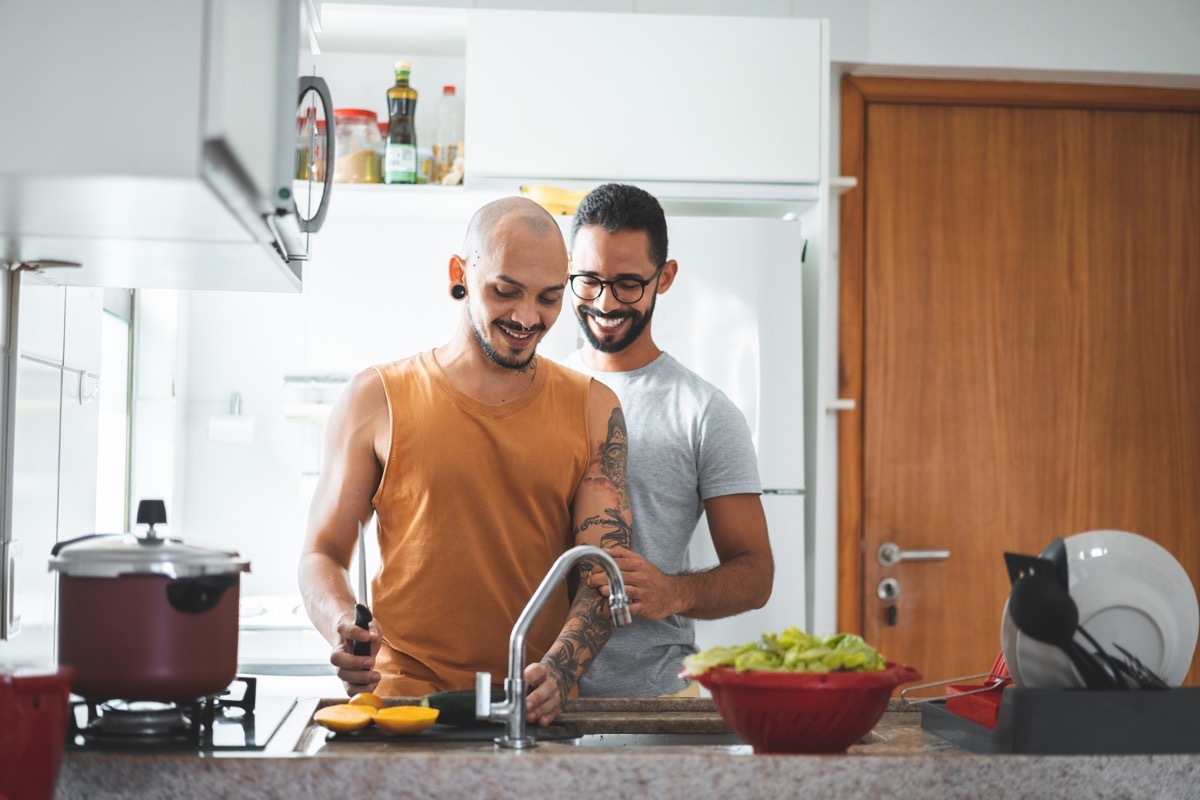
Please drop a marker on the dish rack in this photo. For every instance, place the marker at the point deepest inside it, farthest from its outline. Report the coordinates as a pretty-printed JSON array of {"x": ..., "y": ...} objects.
[{"x": 1076, "y": 722}]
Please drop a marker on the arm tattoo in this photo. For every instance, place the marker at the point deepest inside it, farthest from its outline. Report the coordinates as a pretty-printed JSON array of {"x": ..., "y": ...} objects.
[
  {"x": 588, "y": 623},
  {"x": 588, "y": 628},
  {"x": 615, "y": 453},
  {"x": 618, "y": 531}
]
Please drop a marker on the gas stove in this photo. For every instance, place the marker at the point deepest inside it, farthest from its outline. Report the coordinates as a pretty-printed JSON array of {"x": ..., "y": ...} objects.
[{"x": 235, "y": 720}]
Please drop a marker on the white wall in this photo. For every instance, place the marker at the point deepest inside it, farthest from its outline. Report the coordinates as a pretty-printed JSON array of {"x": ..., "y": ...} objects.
[{"x": 1153, "y": 36}]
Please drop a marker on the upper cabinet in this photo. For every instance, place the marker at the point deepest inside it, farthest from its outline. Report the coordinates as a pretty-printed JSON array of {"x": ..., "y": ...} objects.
[
  {"x": 713, "y": 115},
  {"x": 643, "y": 97},
  {"x": 155, "y": 143}
]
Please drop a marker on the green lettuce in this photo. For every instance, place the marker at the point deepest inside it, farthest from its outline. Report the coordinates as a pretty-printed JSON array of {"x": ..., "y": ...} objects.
[{"x": 791, "y": 650}]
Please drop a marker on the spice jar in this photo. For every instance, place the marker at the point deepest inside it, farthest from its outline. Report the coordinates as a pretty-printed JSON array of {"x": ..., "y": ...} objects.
[{"x": 359, "y": 147}]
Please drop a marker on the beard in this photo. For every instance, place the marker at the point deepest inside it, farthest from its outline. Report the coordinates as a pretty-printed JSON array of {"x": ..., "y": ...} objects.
[
  {"x": 611, "y": 343},
  {"x": 517, "y": 363}
]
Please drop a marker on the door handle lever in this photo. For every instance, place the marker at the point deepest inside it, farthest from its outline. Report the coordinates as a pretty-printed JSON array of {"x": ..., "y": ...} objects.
[{"x": 889, "y": 555}]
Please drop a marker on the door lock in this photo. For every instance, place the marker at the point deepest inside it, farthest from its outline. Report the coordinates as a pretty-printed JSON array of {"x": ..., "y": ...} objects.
[
  {"x": 889, "y": 555},
  {"x": 887, "y": 591}
]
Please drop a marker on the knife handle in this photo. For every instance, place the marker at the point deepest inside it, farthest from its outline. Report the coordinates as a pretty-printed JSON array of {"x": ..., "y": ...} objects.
[{"x": 362, "y": 618}]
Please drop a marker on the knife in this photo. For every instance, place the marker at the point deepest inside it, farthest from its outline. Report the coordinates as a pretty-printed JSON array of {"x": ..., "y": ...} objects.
[{"x": 362, "y": 614}]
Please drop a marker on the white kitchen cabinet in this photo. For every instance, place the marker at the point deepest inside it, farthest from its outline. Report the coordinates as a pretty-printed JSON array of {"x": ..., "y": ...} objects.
[
  {"x": 55, "y": 437},
  {"x": 643, "y": 97},
  {"x": 79, "y": 424},
  {"x": 156, "y": 144},
  {"x": 28, "y": 585},
  {"x": 42, "y": 319}
]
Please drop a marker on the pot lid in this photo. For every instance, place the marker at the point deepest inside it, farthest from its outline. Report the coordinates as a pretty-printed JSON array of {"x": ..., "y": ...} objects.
[
  {"x": 107, "y": 555},
  {"x": 110, "y": 555}
]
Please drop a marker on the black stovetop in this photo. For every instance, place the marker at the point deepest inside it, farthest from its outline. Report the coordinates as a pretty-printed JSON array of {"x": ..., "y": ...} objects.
[{"x": 236, "y": 720}]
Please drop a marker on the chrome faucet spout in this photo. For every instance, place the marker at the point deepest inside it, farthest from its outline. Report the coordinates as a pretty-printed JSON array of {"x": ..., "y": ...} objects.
[{"x": 511, "y": 710}]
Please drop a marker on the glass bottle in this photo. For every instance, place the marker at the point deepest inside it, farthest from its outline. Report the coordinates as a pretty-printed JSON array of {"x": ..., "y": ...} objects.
[
  {"x": 400, "y": 154},
  {"x": 448, "y": 134}
]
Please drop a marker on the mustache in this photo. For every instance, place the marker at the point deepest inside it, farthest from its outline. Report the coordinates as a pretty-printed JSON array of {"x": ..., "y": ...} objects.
[
  {"x": 591, "y": 312},
  {"x": 512, "y": 326}
]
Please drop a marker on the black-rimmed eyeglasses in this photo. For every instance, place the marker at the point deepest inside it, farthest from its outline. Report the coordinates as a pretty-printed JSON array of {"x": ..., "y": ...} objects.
[{"x": 626, "y": 290}]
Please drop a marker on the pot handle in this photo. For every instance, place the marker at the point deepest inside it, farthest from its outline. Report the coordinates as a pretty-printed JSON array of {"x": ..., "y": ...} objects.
[
  {"x": 60, "y": 545},
  {"x": 197, "y": 595}
]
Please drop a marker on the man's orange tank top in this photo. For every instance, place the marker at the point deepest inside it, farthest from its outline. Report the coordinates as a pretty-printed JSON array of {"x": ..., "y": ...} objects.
[{"x": 473, "y": 508}]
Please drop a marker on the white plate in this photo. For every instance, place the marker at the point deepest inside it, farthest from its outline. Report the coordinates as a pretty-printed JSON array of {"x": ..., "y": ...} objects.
[{"x": 1130, "y": 591}]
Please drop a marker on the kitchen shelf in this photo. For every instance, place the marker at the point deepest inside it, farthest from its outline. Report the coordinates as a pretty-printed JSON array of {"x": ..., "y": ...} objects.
[{"x": 680, "y": 198}]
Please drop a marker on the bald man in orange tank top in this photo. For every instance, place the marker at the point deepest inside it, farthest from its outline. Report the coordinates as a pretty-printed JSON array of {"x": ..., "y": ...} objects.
[{"x": 483, "y": 464}]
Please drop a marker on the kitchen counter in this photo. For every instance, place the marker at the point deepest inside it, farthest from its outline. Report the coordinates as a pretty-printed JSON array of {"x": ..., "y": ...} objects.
[{"x": 898, "y": 759}]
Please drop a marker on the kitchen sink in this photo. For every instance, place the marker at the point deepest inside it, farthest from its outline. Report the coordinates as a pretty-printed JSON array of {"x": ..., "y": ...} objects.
[{"x": 657, "y": 740}]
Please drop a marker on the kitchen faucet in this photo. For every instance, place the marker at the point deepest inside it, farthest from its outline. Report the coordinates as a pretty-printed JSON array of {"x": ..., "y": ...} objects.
[{"x": 511, "y": 711}]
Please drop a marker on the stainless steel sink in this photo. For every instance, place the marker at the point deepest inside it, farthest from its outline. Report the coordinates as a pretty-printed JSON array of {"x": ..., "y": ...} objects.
[{"x": 657, "y": 740}]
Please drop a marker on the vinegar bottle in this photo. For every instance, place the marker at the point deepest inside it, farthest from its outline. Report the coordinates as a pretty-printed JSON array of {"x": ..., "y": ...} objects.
[
  {"x": 400, "y": 154},
  {"x": 448, "y": 135}
]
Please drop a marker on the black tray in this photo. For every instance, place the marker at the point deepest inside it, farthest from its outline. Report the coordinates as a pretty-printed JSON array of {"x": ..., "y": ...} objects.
[
  {"x": 1077, "y": 722},
  {"x": 438, "y": 732}
]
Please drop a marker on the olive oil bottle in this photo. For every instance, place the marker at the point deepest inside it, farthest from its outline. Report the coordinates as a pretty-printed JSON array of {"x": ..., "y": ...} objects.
[{"x": 400, "y": 154}]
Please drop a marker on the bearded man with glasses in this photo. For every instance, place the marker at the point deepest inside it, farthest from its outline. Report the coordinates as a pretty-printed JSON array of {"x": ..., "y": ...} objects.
[{"x": 690, "y": 452}]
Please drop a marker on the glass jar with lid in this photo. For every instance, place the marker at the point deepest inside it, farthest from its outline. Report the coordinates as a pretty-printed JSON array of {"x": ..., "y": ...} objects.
[{"x": 358, "y": 149}]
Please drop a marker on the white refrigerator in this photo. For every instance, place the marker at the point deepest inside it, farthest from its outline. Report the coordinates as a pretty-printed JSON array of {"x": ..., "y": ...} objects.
[{"x": 733, "y": 316}]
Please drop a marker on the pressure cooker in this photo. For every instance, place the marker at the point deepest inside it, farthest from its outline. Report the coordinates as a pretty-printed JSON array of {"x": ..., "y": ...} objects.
[{"x": 147, "y": 617}]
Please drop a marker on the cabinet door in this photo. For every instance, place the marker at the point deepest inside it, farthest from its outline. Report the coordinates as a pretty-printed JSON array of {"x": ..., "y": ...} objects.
[
  {"x": 79, "y": 428},
  {"x": 643, "y": 97},
  {"x": 41, "y": 309},
  {"x": 34, "y": 512}
]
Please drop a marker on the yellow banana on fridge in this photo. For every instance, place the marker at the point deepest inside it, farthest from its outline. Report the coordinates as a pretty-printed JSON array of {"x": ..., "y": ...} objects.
[{"x": 554, "y": 199}]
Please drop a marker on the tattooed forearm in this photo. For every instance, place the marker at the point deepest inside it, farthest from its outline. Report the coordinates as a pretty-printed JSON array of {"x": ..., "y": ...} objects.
[
  {"x": 615, "y": 453},
  {"x": 588, "y": 628},
  {"x": 618, "y": 533}
]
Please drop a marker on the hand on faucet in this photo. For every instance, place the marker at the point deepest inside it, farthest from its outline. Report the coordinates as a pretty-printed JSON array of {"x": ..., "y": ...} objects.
[{"x": 652, "y": 594}]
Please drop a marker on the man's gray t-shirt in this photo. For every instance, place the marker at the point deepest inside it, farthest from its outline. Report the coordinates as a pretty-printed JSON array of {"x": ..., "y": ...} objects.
[{"x": 688, "y": 442}]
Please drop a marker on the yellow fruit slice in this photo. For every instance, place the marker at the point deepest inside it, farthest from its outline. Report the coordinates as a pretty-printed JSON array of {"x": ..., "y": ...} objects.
[
  {"x": 344, "y": 718},
  {"x": 405, "y": 719},
  {"x": 367, "y": 699}
]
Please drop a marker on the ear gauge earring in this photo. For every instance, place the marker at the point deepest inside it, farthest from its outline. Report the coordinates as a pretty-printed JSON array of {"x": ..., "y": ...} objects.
[{"x": 458, "y": 291}]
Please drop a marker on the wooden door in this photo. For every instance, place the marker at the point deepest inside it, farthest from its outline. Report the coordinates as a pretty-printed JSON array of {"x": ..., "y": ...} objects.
[{"x": 1021, "y": 329}]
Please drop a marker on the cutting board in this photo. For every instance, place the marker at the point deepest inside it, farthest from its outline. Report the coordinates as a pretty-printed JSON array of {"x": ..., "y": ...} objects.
[{"x": 454, "y": 733}]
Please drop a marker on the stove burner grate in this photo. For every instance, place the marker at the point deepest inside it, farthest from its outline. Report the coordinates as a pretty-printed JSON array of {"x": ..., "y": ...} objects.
[{"x": 192, "y": 723}]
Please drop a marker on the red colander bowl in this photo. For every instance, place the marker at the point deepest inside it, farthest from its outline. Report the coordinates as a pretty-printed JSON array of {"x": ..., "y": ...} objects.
[
  {"x": 803, "y": 712},
  {"x": 33, "y": 730}
]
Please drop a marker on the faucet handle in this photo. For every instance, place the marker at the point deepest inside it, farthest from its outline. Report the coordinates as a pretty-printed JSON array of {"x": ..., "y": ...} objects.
[{"x": 483, "y": 695}]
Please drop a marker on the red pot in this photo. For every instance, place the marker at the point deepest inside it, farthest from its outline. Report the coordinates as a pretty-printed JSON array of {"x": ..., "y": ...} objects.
[
  {"x": 33, "y": 728},
  {"x": 146, "y": 618}
]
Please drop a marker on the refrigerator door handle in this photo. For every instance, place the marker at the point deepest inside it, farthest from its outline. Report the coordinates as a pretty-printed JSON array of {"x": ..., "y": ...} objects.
[{"x": 10, "y": 624}]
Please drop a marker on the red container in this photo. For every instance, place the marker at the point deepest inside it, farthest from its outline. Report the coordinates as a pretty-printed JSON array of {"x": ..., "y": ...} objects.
[
  {"x": 978, "y": 703},
  {"x": 33, "y": 728},
  {"x": 803, "y": 712}
]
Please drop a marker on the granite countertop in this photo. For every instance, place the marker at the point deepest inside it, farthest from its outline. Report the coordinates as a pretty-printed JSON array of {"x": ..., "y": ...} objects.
[{"x": 898, "y": 759}]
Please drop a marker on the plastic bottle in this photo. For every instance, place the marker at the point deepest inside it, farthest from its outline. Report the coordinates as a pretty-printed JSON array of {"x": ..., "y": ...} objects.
[
  {"x": 448, "y": 134},
  {"x": 400, "y": 154}
]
